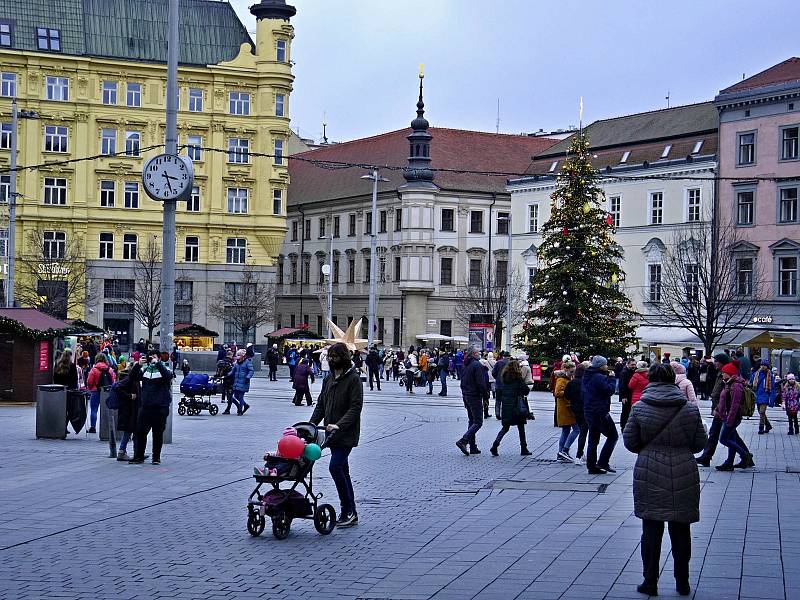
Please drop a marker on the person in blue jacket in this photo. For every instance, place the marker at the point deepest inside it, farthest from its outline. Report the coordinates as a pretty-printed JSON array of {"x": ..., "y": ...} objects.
[
  {"x": 242, "y": 372},
  {"x": 458, "y": 364},
  {"x": 474, "y": 386},
  {"x": 763, "y": 383},
  {"x": 597, "y": 388}
]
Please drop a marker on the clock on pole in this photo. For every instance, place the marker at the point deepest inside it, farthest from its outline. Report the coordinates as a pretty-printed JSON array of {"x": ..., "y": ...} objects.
[{"x": 168, "y": 177}]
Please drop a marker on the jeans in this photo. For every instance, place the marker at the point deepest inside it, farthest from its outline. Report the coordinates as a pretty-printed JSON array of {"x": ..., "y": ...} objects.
[
  {"x": 568, "y": 435},
  {"x": 155, "y": 418},
  {"x": 229, "y": 394},
  {"x": 94, "y": 406},
  {"x": 523, "y": 443},
  {"x": 763, "y": 424},
  {"x": 730, "y": 438},
  {"x": 681, "y": 540},
  {"x": 340, "y": 473},
  {"x": 443, "y": 379},
  {"x": 713, "y": 439},
  {"x": 374, "y": 374},
  {"x": 601, "y": 426},
  {"x": 584, "y": 429},
  {"x": 793, "y": 422},
  {"x": 409, "y": 380},
  {"x": 123, "y": 441},
  {"x": 238, "y": 399},
  {"x": 474, "y": 406}
]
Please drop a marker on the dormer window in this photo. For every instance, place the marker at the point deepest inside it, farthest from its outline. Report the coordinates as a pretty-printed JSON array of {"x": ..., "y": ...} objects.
[
  {"x": 697, "y": 146},
  {"x": 625, "y": 156},
  {"x": 6, "y": 33},
  {"x": 48, "y": 39},
  {"x": 553, "y": 167},
  {"x": 665, "y": 153}
]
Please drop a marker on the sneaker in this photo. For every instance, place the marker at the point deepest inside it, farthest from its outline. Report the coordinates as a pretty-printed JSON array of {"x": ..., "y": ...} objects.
[
  {"x": 156, "y": 461},
  {"x": 563, "y": 455},
  {"x": 244, "y": 410},
  {"x": 647, "y": 589},
  {"x": 580, "y": 461},
  {"x": 493, "y": 451},
  {"x": 596, "y": 471},
  {"x": 703, "y": 461},
  {"x": 347, "y": 520},
  {"x": 122, "y": 456},
  {"x": 136, "y": 461},
  {"x": 474, "y": 450},
  {"x": 607, "y": 468},
  {"x": 726, "y": 466},
  {"x": 462, "y": 445}
]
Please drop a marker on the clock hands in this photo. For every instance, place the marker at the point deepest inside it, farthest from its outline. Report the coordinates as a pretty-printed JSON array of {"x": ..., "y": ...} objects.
[{"x": 169, "y": 184}]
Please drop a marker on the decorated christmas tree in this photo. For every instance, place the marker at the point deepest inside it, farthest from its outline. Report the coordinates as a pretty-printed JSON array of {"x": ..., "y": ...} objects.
[{"x": 575, "y": 305}]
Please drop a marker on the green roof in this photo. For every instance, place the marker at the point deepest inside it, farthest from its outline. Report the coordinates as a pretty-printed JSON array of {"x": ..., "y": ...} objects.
[{"x": 210, "y": 30}]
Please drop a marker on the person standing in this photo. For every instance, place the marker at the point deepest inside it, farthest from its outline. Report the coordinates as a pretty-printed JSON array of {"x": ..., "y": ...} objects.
[
  {"x": 665, "y": 430},
  {"x": 638, "y": 382},
  {"x": 597, "y": 387},
  {"x": 514, "y": 389},
  {"x": 273, "y": 360},
  {"x": 729, "y": 412},
  {"x": 572, "y": 393},
  {"x": 745, "y": 366},
  {"x": 459, "y": 363},
  {"x": 565, "y": 419},
  {"x": 156, "y": 395},
  {"x": 302, "y": 373},
  {"x": 473, "y": 388},
  {"x": 339, "y": 405},
  {"x": 624, "y": 393},
  {"x": 101, "y": 376},
  {"x": 388, "y": 359},
  {"x": 65, "y": 372},
  {"x": 411, "y": 371},
  {"x": 432, "y": 373},
  {"x": 443, "y": 366},
  {"x": 791, "y": 402},
  {"x": 242, "y": 372},
  {"x": 374, "y": 363},
  {"x": 128, "y": 409},
  {"x": 291, "y": 359},
  {"x": 720, "y": 360},
  {"x": 498, "y": 367},
  {"x": 683, "y": 383},
  {"x": 764, "y": 385}
]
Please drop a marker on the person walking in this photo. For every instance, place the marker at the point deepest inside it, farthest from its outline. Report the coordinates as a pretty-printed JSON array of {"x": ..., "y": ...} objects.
[
  {"x": 432, "y": 374},
  {"x": 411, "y": 371},
  {"x": 624, "y": 393},
  {"x": 514, "y": 393},
  {"x": 791, "y": 402},
  {"x": 729, "y": 412},
  {"x": 565, "y": 418},
  {"x": 339, "y": 406},
  {"x": 459, "y": 362},
  {"x": 638, "y": 381},
  {"x": 388, "y": 358},
  {"x": 473, "y": 388},
  {"x": 720, "y": 360},
  {"x": 684, "y": 384},
  {"x": 597, "y": 387},
  {"x": 128, "y": 408},
  {"x": 156, "y": 395},
  {"x": 273, "y": 360},
  {"x": 374, "y": 367},
  {"x": 100, "y": 376},
  {"x": 764, "y": 385},
  {"x": 572, "y": 392},
  {"x": 745, "y": 366},
  {"x": 242, "y": 372},
  {"x": 499, "y": 364},
  {"x": 65, "y": 372},
  {"x": 665, "y": 430},
  {"x": 443, "y": 365},
  {"x": 302, "y": 373}
]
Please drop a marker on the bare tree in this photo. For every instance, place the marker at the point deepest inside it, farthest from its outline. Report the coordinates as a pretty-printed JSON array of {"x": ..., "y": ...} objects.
[
  {"x": 485, "y": 297},
  {"x": 53, "y": 275},
  {"x": 147, "y": 297},
  {"x": 247, "y": 303},
  {"x": 704, "y": 290}
]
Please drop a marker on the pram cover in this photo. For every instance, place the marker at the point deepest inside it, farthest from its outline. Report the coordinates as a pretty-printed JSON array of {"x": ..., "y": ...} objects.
[{"x": 198, "y": 383}]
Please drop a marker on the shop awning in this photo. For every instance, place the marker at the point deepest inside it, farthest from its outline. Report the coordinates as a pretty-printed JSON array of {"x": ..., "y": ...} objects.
[
  {"x": 80, "y": 327},
  {"x": 434, "y": 337},
  {"x": 672, "y": 336},
  {"x": 771, "y": 340},
  {"x": 195, "y": 330}
]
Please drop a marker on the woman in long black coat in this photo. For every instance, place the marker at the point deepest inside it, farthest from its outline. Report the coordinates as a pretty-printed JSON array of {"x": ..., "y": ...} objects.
[
  {"x": 128, "y": 411},
  {"x": 512, "y": 389}
]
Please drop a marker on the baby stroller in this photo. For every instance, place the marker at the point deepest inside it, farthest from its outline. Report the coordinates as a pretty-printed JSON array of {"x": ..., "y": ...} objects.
[
  {"x": 284, "y": 505},
  {"x": 197, "y": 390}
]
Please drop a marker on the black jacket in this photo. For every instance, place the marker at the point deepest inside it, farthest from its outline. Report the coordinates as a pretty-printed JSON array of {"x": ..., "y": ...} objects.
[
  {"x": 573, "y": 394},
  {"x": 156, "y": 386},
  {"x": 624, "y": 378},
  {"x": 497, "y": 371},
  {"x": 128, "y": 414},
  {"x": 69, "y": 379},
  {"x": 474, "y": 381},
  {"x": 340, "y": 403},
  {"x": 374, "y": 360}
]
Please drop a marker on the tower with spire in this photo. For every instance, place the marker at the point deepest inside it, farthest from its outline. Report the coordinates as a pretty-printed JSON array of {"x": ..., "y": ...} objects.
[{"x": 419, "y": 155}]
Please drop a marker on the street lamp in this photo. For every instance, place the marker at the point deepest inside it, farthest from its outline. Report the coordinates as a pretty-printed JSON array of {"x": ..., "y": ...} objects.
[
  {"x": 373, "y": 251},
  {"x": 509, "y": 312}
]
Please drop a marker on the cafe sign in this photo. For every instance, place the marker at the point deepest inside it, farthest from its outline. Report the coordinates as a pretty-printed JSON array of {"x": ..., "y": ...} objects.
[
  {"x": 766, "y": 319},
  {"x": 53, "y": 269}
]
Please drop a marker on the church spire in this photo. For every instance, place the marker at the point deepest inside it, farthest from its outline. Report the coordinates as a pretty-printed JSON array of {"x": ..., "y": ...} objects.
[{"x": 419, "y": 158}]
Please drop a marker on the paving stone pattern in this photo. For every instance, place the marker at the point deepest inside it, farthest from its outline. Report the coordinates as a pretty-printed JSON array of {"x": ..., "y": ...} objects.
[{"x": 75, "y": 524}]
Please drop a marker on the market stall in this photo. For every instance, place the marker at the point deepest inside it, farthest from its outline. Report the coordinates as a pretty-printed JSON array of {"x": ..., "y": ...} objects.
[{"x": 194, "y": 338}]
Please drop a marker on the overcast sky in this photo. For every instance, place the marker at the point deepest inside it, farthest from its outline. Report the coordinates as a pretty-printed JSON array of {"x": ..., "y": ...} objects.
[{"x": 357, "y": 60}]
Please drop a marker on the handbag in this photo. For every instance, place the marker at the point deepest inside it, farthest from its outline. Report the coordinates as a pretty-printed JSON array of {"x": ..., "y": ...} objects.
[{"x": 521, "y": 409}]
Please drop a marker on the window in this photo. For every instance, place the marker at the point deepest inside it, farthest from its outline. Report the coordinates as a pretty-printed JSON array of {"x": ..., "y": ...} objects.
[
  {"x": 292, "y": 321},
  {"x": 448, "y": 219},
  {"x": 383, "y": 220},
  {"x": 320, "y": 274},
  {"x": 6, "y": 31},
  {"x": 692, "y": 283},
  {"x": 322, "y": 221},
  {"x": 351, "y": 270},
  {"x": 307, "y": 229},
  {"x": 193, "y": 201},
  {"x": 5, "y": 136},
  {"x": 8, "y": 85},
  {"x": 336, "y": 228},
  {"x": 788, "y": 205},
  {"x": 183, "y": 312},
  {"x": 396, "y": 332},
  {"x": 745, "y": 206},
  {"x": 665, "y": 153},
  {"x": 553, "y": 166},
  {"x": 131, "y": 194},
  {"x": 184, "y": 291},
  {"x": 236, "y": 251},
  {"x": 615, "y": 209},
  {"x": 294, "y": 271},
  {"x": 280, "y": 51},
  {"x": 195, "y": 100},
  {"x": 697, "y": 146},
  {"x": 107, "y": 194},
  {"x": 119, "y": 289},
  {"x": 55, "y": 138},
  {"x": 110, "y": 93},
  {"x": 787, "y": 276},
  {"x": 306, "y": 271},
  {"x": 107, "y": 245},
  {"x": 57, "y": 89},
  {"x": 368, "y": 223},
  {"x": 446, "y": 327},
  {"x": 397, "y": 268},
  {"x": 789, "y": 146},
  {"x": 133, "y": 141},
  {"x": 238, "y": 150},
  {"x": 3, "y": 245},
  {"x": 277, "y": 202},
  {"x": 335, "y": 270},
  {"x": 48, "y": 39},
  {"x": 279, "y": 269},
  {"x": 237, "y": 201},
  {"x": 130, "y": 243},
  {"x": 352, "y": 225},
  {"x": 108, "y": 142},
  {"x": 5, "y": 188},
  {"x": 55, "y": 190},
  {"x": 239, "y": 103},
  {"x": 656, "y": 208},
  {"x": 654, "y": 282},
  {"x": 533, "y": 218},
  {"x": 475, "y": 271},
  {"x": 476, "y": 221},
  {"x": 54, "y": 244},
  {"x": 693, "y": 205},
  {"x": 503, "y": 219},
  {"x": 133, "y": 94},
  {"x": 446, "y": 271},
  {"x": 382, "y": 270},
  {"x": 280, "y": 103},
  {"x": 193, "y": 149},
  {"x": 367, "y": 269},
  {"x": 294, "y": 231},
  {"x": 398, "y": 219},
  {"x": 531, "y": 278},
  {"x": 278, "y": 152},
  {"x": 501, "y": 275},
  {"x": 747, "y": 148},
  {"x": 625, "y": 156},
  {"x": 191, "y": 250},
  {"x": 744, "y": 276}
]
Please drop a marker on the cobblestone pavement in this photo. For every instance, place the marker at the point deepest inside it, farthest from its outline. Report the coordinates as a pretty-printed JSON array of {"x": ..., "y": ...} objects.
[{"x": 434, "y": 523}]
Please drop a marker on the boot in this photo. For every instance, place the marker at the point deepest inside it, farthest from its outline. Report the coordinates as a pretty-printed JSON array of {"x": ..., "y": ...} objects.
[
  {"x": 524, "y": 451},
  {"x": 726, "y": 466},
  {"x": 474, "y": 450},
  {"x": 703, "y": 461},
  {"x": 760, "y": 431},
  {"x": 745, "y": 463},
  {"x": 493, "y": 450},
  {"x": 649, "y": 589}
]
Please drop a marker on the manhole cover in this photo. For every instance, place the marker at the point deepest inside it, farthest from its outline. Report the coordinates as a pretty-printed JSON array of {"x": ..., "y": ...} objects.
[{"x": 547, "y": 486}]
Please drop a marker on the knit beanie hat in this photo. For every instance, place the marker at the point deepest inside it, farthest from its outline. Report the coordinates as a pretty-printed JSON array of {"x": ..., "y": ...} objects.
[
  {"x": 730, "y": 370},
  {"x": 722, "y": 358},
  {"x": 599, "y": 361}
]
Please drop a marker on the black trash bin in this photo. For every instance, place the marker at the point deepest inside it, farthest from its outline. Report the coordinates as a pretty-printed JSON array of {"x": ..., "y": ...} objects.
[{"x": 51, "y": 411}]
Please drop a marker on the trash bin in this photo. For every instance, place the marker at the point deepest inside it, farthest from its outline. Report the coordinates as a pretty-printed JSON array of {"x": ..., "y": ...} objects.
[
  {"x": 102, "y": 427},
  {"x": 51, "y": 412}
]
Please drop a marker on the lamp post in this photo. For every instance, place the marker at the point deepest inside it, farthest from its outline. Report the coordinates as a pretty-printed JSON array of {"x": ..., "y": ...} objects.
[
  {"x": 373, "y": 251},
  {"x": 330, "y": 277},
  {"x": 509, "y": 311}
]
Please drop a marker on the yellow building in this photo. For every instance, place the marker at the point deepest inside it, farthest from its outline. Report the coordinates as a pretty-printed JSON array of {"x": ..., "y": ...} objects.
[{"x": 94, "y": 74}]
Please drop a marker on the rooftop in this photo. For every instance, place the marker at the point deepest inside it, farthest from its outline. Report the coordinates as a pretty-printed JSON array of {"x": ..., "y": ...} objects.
[
  {"x": 787, "y": 71},
  {"x": 32, "y": 319}
]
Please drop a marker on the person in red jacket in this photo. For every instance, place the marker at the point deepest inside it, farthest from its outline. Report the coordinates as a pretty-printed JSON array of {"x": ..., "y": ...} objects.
[
  {"x": 638, "y": 382},
  {"x": 728, "y": 411},
  {"x": 100, "y": 376}
]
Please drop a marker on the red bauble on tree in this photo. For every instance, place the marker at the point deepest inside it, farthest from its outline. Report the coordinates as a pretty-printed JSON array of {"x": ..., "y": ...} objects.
[{"x": 565, "y": 231}]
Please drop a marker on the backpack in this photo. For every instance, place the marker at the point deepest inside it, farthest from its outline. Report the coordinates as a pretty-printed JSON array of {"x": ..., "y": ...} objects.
[
  {"x": 117, "y": 392},
  {"x": 105, "y": 379},
  {"x": 407, "y": 364},
  {"x": 748, "y": 405}
]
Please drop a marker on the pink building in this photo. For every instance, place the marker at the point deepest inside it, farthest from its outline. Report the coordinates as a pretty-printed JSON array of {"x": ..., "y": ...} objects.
[{"x": 758, "y": 137}]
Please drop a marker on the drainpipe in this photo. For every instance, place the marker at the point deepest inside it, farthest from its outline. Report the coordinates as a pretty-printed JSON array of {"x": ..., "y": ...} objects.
[
  {"x": 302, "y": 258},
  {"x": 489, "y": 277}
]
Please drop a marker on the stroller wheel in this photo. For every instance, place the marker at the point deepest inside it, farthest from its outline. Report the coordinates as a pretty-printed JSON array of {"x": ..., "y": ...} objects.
[
  {"x": 325, "y": 519},
  {"x": 281, "y": 525},
  {"x": 213, "y": 409},
  {"x": 181, "y": 409},
  {"x": 255, "y": 524}
]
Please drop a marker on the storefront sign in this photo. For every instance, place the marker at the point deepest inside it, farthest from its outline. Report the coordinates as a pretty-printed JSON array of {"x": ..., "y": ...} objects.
[
  {"x": 766, "y": 319},
  {"x": 481, "y": 331},
  {"x": 53, "y": 269},
  {"x": 536, "y": 372},
  {"x": 44, "y": 355}
]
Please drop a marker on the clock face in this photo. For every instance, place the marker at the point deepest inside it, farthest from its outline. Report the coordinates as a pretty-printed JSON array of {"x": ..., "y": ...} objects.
[{"x": 167, "y": 177}]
